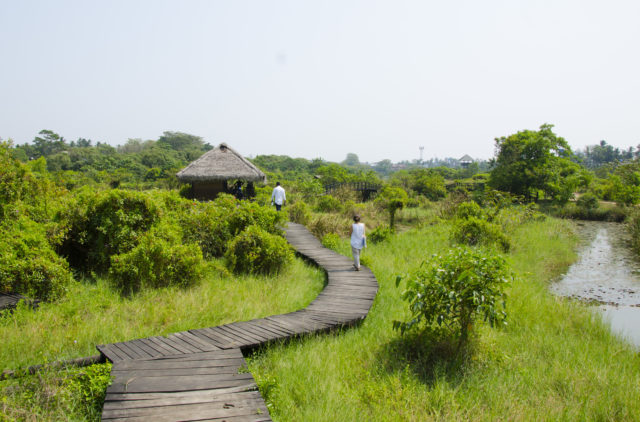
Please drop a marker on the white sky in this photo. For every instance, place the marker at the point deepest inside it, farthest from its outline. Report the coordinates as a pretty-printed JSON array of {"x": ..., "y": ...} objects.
[{"x": 322, "y": 78}]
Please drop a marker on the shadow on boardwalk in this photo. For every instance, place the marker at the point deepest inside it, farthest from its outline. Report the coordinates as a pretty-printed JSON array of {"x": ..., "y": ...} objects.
[{"x": 195, "y": 374}]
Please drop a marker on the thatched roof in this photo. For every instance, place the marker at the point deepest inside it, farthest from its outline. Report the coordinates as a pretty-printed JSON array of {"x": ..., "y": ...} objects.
[
  {"x": 466, "y": 159},
  {"x": 221, "y": 163}
]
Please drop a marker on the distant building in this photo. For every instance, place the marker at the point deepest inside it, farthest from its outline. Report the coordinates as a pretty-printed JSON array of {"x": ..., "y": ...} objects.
[
  {"x": 210, "y": 173},
  {"x": 465, "y": 161}
]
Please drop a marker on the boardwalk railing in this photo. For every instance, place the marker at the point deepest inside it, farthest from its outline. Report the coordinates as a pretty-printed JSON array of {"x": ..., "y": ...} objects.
[{"x": 195, "y": 374}]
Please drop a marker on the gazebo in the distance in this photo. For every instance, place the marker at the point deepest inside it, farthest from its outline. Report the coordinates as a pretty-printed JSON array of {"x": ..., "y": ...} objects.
[
  {"x": 209, "y": 174},
  {"x": 465, "y": 161}
]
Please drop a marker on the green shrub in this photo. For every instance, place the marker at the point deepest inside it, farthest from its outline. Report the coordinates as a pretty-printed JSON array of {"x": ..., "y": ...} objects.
[
  {"x": 616, "y": 214},
  {"x": 28, "y": 264},
  {"x": 475, "y": 231},
  {"x": 452, "y": 290},
  {"x": 469, "y": 209},
  {"x": 299, "y": 213},
  {"x": 207, "y": 225},
  {"x": 159, "y": 260},
  {"x": 331, "y": 241},
  {"x": 588, "y": 201},
  {"x": 256, "y": 251},
  {"x": 379, "y": 234},
  {"x": 106, "y": 223},
  {"x": 328, "y": 203}
]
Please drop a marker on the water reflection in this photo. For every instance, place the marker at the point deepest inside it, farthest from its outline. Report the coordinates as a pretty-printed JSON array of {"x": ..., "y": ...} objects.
[{"x": 608, "y": 272}]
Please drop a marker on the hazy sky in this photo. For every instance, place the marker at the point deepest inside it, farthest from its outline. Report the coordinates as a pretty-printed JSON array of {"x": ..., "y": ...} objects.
[{"x": 322, "y": 78}]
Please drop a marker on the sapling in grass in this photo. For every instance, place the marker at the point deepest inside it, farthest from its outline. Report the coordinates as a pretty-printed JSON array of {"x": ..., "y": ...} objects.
[{"x": 454, "y": 289}]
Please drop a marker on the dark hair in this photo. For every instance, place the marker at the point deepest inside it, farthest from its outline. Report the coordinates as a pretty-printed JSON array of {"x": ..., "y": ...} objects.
[
  {"x": 277, "y": 183},
  {"x": 356, "y": 218}
]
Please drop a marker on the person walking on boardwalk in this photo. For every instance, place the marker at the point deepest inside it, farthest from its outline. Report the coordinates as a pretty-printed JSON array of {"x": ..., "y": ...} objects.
[
  {"x": 278, "y": 196},
  {"x": 358, "y": 240}
]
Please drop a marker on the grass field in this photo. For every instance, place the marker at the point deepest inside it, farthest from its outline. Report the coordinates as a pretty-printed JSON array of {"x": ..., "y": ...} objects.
[{"x": 555, "y": 360}]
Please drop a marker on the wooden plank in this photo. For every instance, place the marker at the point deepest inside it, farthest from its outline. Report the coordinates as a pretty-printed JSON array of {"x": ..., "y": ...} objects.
[
  {"x": 198, "y": 411},
  {"x": 148, "y": 349},
  {"x": 202, "y": 394},
  {"x": 248, "y": 339},
  {"x": 220, "y": 337},
  {"x": 172, "y": 399},
  {"x": 266, "y": 334},
  {"x": 246, "y": 326},
  {"x": 195, "y": 341},
  {"x": 179, "y": 363},
  {"x": 135, "y": 348},
  {"x": 214, "y": 340},
  {"x": 111, "y": 353},
  {"x": 176, "y": 339},
  {"x": 178, "y": 345},
  {"x": 223, "y": 335},
  {"x": 159, "y": 344},
  {"x": 178, "y": 383},
  {"x": 261, "y": 324},
  {"x": 128, "y": 351}
]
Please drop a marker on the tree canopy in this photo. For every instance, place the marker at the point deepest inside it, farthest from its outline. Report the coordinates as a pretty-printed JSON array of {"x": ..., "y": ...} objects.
[{"x": 531, "y": 161}]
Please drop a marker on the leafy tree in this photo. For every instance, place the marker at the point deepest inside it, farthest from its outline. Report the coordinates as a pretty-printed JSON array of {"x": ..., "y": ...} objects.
[
  {"x": 392, "y": 199},
  {"x": 452, "y": 290},
  {"x": 351, "y": 160},
  {"x": 531, "y": 161}
]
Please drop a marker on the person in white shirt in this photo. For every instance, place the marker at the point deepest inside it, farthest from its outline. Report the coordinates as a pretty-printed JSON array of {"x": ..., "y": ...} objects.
[
  {"x": 358, "y": 240},
  {"x": 278, "y": 196}
]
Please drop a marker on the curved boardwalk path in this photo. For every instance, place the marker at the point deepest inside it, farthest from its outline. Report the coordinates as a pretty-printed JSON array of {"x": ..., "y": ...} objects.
[{"x": 196, "y": 375}]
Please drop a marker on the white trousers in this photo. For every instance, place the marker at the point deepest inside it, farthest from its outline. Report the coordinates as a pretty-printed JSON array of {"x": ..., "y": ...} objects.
[{"x": 356, "y": 256}]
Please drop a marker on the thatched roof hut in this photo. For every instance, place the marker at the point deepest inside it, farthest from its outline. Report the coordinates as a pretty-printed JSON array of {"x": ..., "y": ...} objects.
[
  {"x": 465, "y": 160},
  {"x": 209, "y": 173}
]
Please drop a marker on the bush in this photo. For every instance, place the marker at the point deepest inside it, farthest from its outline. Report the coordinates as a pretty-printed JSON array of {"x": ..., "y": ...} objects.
[
  {"x": 106, "y": 223},
  {"x": 299, "y": 213},
  {"x": 159, "y": 260},
  {"x": 331, "y": 241},
  {"x": 454, "y": 289},
  {"x": 206, "y": 225},
  {"x": 474, "y": 231},
  {"x": 469, "y": 209},
  {"x": 328, "y": 203},
  {"x": 256, "y": 251},
  {"x": 28, "y": 264},
  {"x": 379, "y": 234},
  {"x": 588, "y": 201}
]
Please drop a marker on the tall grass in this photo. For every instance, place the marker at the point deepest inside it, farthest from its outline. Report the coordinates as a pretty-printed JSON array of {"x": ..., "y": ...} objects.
[
  {"x": 93, "y": 314},
  {"x": 556, "y": 360}
]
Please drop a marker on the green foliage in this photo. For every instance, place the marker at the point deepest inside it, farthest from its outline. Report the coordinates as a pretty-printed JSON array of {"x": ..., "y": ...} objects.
[
  {"x": 529, "y": 161},
  {"x": 160, "y": 259},
  {"x": 28, "y": 264},
  {"x": 56, "y": 394},
  {"x": 476, "y": 231},
  {"x": 90, "y": 385},
  {"x": 633, "y": 224},
  {"x": 331, "y": 241},
  {"x": 469, "y": 209},
  {"x": 392, "y": 199},
  {"x": 428, "y": 183},
  {"x": 299, "y": 212},
  {"x": 328, "y": 203},
  {"x": 625, "y": 184},
  {"x": 588, "y": 201},
  {"x": 456, "y": 288},
  {"x": 379, "y": 234},
  {"x": 256, "y": 251},
  {"x": 102, "y": 224}
]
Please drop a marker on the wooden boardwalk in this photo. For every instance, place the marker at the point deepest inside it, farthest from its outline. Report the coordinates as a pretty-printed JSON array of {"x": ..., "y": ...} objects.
[
  {"x": 199, "y": 374},
  {"x": 10, "y": 300}
]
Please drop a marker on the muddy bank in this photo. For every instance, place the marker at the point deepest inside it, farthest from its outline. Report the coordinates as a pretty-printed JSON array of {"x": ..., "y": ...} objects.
[{"x": 608, "y": 274}]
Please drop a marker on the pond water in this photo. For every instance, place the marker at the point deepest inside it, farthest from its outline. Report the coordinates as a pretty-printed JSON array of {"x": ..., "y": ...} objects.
[{"x": 607, "y": 274}]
